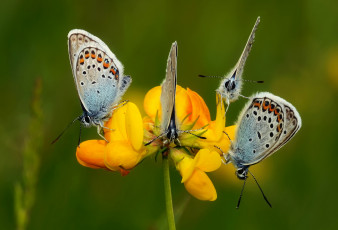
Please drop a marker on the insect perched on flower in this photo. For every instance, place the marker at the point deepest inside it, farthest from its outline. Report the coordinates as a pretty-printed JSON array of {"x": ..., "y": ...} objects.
[
  {"x": 98, "y": 77},
  {"x": 169, "y": 129},
  {"x": 266, "y": 123}
]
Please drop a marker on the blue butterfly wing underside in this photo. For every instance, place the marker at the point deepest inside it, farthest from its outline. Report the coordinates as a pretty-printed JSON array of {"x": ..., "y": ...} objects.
[
  {"x": 266, "y": 123},
  {"x": 169, "y": 89},
  {"x": 235, "y": 75},
  {"x": 98, "y": 74}
]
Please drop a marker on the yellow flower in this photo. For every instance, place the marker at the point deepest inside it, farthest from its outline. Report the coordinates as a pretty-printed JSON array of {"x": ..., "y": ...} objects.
[
  {"x": 192, "y": 170},
  {"x": 217, "y": 134},
  {"x": 191, "y": 111},
  {"x": 125, "y": 148},
  {"x": 189, "y": 106},
  {"x": 130, "y": 132}
]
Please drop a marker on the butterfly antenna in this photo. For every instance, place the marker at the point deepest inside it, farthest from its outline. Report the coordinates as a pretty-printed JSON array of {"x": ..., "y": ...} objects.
[
  {"x": 185, "y": 131},
  {"x": 253, "y": 81},
  {"x": 78, "y": 144},
  {"x": 210, "y": 76},
  {"x": 266, "y": 199},
  {"x": 240, "y": 196},
  {"x": 70, "y": 124},
  {"x": 161, "y": 135}
]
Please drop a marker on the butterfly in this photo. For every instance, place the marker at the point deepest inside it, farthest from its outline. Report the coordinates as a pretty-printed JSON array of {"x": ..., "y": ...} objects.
[
  {"x": 169, "y": 127},
  {"x": 98, "y": 77},
  {"x": 231, "y": 84},
  {"x": 266, "y": 123}
]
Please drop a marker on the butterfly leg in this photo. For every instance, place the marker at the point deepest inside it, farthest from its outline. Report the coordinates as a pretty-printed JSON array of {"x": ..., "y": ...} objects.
[
  {"x": 159, "y": 136},
  {"x": 224, "y": 154},
  {"x": 99, "y": 128},
  {"x": 232, "y": 144},
  {"x": 178, "y": 142},
  {"x": 119, "y": 105},
  {"x": 228, "y": 105},
  {"x": 244, "y": 96}
]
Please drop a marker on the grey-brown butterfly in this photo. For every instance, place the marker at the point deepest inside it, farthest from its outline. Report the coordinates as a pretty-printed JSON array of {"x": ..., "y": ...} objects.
[
  {"x": 231, "y": 84},
  {"x": 169, "y": 126}
]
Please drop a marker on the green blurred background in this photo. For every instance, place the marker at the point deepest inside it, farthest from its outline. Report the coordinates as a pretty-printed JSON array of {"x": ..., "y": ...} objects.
[{"x": 295, "y": 53}]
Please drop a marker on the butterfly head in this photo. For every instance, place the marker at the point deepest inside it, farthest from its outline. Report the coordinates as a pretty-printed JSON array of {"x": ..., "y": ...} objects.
[
  {"x": 86, "y": 120},
  {"x": 242, "y": 172}
]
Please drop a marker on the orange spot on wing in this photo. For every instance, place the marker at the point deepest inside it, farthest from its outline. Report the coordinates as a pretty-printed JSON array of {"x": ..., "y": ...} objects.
[
  {"x": 116, "y": 77},
  {"x": 112, "y": 71},
  {"x": 265, "y": 107},
  {"x": 93, "y": 56},
  {"x": 99, "y": 59},
  {"x": 87, "y": 56},
  {"x": 105, "y": 65},
  {"x": 258, "y": 105},
  {"x": 81, "y": 61}
]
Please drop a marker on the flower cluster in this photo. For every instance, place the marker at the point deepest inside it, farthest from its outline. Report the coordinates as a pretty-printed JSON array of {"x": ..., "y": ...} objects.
[{"x": 193, "y": 158}]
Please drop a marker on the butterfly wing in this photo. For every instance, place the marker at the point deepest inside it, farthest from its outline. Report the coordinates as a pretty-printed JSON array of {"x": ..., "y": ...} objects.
[
  {"x": 292, "y": 122},
  {"x": 231, "y": 85},
  {"x": 241, "y": 62},
  {"x": 169, "y": 88},
  {"x": 98, "y": 74},
  {"x": 263, "y": 128}
]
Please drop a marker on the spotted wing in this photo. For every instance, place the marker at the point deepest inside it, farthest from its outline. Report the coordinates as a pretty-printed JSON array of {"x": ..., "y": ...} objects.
[
  {"x": 169, "y": 88},
  {"x": 98, "y": 74},
  {"x": 293, "y": 123},
  {"x": 264, "y": 128}
]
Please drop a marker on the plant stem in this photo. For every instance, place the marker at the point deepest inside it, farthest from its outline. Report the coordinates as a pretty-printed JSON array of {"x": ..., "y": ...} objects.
[{"x": 167, "y": 192}]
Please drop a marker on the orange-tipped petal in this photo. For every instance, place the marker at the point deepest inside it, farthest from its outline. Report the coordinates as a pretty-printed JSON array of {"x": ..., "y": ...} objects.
[
  {"x": 91, "y": 153},
  {"x": 199, "y": 109},
  {"x": 119, "y": 154}
]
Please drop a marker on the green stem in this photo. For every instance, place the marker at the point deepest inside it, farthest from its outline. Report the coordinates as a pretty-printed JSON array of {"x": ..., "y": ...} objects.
[{"x": 167, "y": 192}]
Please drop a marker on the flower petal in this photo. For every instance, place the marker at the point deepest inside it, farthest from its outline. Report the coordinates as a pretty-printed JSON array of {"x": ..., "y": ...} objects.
[
  {"x": 215, "y": 129},
  {"x": 200, "y": 186},
  {"x": 152, "y": 102},
  {"x": 199, "y": 109},
  {"x": 91, "y": 153},
  {"x": 184, "y": 163},
  {"x": 117, "y": 124},
  {"x": 134, "y": 126},
  {"x": 183, "y": 104},
  {"x": 207, "y": 160},
  {"x": 119, "y": 154}
]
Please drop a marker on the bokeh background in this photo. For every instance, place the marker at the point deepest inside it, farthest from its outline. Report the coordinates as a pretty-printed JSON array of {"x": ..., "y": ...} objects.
[{"x": 295, "y": 53}]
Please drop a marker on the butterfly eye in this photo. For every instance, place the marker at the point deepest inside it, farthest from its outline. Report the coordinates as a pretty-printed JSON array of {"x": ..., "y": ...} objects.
[
  {"x": 241, "y": 173},
  {"x": 226, "y": 84},
  {"x": 87, "y": 119}
]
